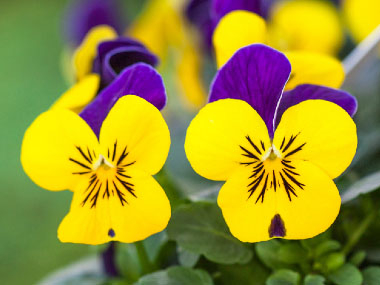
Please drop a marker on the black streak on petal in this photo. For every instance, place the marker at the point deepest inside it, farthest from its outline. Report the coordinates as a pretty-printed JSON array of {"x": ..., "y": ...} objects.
[
  {"x": 111, "y": 233},
  {"x": 277, "y": 227}
]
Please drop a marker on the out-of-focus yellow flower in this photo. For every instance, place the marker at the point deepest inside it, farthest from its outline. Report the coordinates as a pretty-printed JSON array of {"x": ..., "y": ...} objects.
[
  {"x": 361, "y": 16},
  {"x": 305, "y": 25},
  {"x": 163, "y": 30},
  {"x": 241, "y": 28},
  {"x": 86, "y": 52}
]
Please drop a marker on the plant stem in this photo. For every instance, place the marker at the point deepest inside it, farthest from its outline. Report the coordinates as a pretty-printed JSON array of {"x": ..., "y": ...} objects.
[
  {"x": 145, "y": 263},
  {"x": 108, "y": 260},
  {"x": 355, "y": 237}
]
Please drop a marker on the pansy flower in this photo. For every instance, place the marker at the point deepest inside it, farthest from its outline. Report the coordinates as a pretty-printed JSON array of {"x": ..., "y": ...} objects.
[
  {"x": 98, "y": 60},
  {"x": 278, "y": 151},
  {"x": 106, "y": 156},
  {"x": 361, "y": 17},
  {"x": 241, "y": 28}
]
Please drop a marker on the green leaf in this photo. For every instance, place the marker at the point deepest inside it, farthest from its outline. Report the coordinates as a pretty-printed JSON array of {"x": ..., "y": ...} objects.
[
  {"x": 177, "y": 276},
  {"x": 358, "y": 257},
  {"x": 314, "y": 279},
  {"x": 326, "y": 247},
  {"x": 252, "y": 273},
  {"x": 292, "y": 253},
  {"x": 371, "y": 275},
  {"x": 333, "y": 261},
  {"x": 187, "y": 258},
  {"x": 284, "y": 277},
  {"x": 267, "y": 252},
  {"x": 200, "y": 228},
  {"x": 363, "y": 186},
  {"x": 348, "y": 274}
]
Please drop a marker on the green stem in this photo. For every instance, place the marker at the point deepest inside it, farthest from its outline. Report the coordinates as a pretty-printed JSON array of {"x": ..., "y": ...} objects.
[
  {"x": 146, "y": 265},
  {"x": 355, "y": 237}
]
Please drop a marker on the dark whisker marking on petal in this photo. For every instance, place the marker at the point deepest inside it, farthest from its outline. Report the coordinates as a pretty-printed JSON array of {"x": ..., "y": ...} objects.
[
  {"x": 295, "y": 150},
  {"x": 288, "y": 188},
  {"x": 89, "y": 194},
  {"x": 247, "y": 163},
  {"x": 79, "y": 163},
  {"x": 286, "y": 164},
  {"x": 81, "y": 173},
  {"x": 256, "y": 182},
  {"x": 122, "y": 156},
  {"x": 119, "y": 194},
  {"x": 291, "y": 140},
  {"x": 121, "y": 174},
  {"x": 262, "y": 145},
  {"x": 274, "y": 181},
  {"x": 89, "y": 153},
  {"x": 114, "y": 151},
  {"x": 83, "y": 154},
  {"x": 262, "y": 193},
  {"x": 282, "y": 144},
  {"x": 295, "y": 181},
  {"x": 108, "y": 153},
  {"x": 248, "y": 153},
  {"x": 129, "y": 164},
  {"x": 127, "y": 186},
  {"x": 292, "y": 172},
  {"x": 252, "y": 144},
  {"x": 106, "y": 192},
  {"x": 256, "y": 171},
  {"x": 94, "y": 198}
]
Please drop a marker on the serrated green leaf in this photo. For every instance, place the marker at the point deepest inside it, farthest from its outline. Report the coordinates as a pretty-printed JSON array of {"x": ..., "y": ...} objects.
[
  {"x": 176, "y": 275},
  {"x": 187, "y": 258},
  {"x": 365, "y": 185},
  {"x": 326, "y": 246},
  {"x": 371, "y": 275},
  {"x": 314, "y": 279},
  {"x": 200, "y": 228},
  {"x": 284, "y": 277},
  {"x": 292, "y": 253},
  {"x": 267, "y": 252},
  {"x": 348, "y": 274}
]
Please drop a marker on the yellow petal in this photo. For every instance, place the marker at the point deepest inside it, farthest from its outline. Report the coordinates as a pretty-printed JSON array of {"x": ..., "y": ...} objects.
[
  {"x": 104, "y": 216},
  {"x": 57, "y": 145},
  {"x": 217, "y": 135},
  {"x": 86, "y": 52},
  {"x": 306, "y": 25},
  {"x": 362, "y": 17},
  {"x": 136, "y": 127},
  {"x": 189, "y": 79},
  {"x": 80, "y": 94},
  {"x": 236, "y": 30},
  {"x": 324, "y": 131},
  {"x": 314, "y": 68},
  {"x": 275, "y": 213}
]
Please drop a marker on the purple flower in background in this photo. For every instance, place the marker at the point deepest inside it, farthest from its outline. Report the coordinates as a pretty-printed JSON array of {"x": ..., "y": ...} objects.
[
  {"x": 82, "y": 15},
  {"x": 205, "y": 14},
  {"x": 115, "y": 55}
]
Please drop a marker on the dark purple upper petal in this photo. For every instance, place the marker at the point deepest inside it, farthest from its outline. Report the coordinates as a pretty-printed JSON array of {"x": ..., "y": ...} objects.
[
  {"x": 115, "y": 55},
  {"x": 222, "y": 7},
  {"x": 139, "y": 79},
  {"x": 308, "y": 91},
  {"x": 82, "y": 15},
  {"x": 256, "y": 74}
]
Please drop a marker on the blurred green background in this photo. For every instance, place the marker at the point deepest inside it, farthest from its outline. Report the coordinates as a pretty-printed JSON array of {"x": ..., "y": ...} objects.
[{"x": 30, "y": 80}]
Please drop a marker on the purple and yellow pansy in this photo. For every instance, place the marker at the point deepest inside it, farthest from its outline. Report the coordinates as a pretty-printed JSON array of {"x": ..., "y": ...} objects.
[
  {"x": 106, "y": 155},
  {"x": 277, "y": 151}
]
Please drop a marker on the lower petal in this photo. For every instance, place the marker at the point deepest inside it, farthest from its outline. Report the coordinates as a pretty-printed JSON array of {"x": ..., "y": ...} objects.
[
  {"x": 306, "y": 215},
  {"x": 128, "y": 219}
]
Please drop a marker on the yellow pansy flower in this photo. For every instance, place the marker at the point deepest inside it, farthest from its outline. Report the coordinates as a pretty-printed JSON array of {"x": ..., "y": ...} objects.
[{"x": 115, "y": 196}]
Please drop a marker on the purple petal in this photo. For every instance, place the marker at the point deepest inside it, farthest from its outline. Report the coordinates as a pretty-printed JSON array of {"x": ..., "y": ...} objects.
[
  {"x": 222, "y": 7},
  {"x": 308, "y": 91},
  {"x": 139, "y": 79},
  {"x": 256, "y": 74},
  {"x": 113, "y": 56},
  {"x": 82, "y": 15},
  {"x": 199, "y": 13}
]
